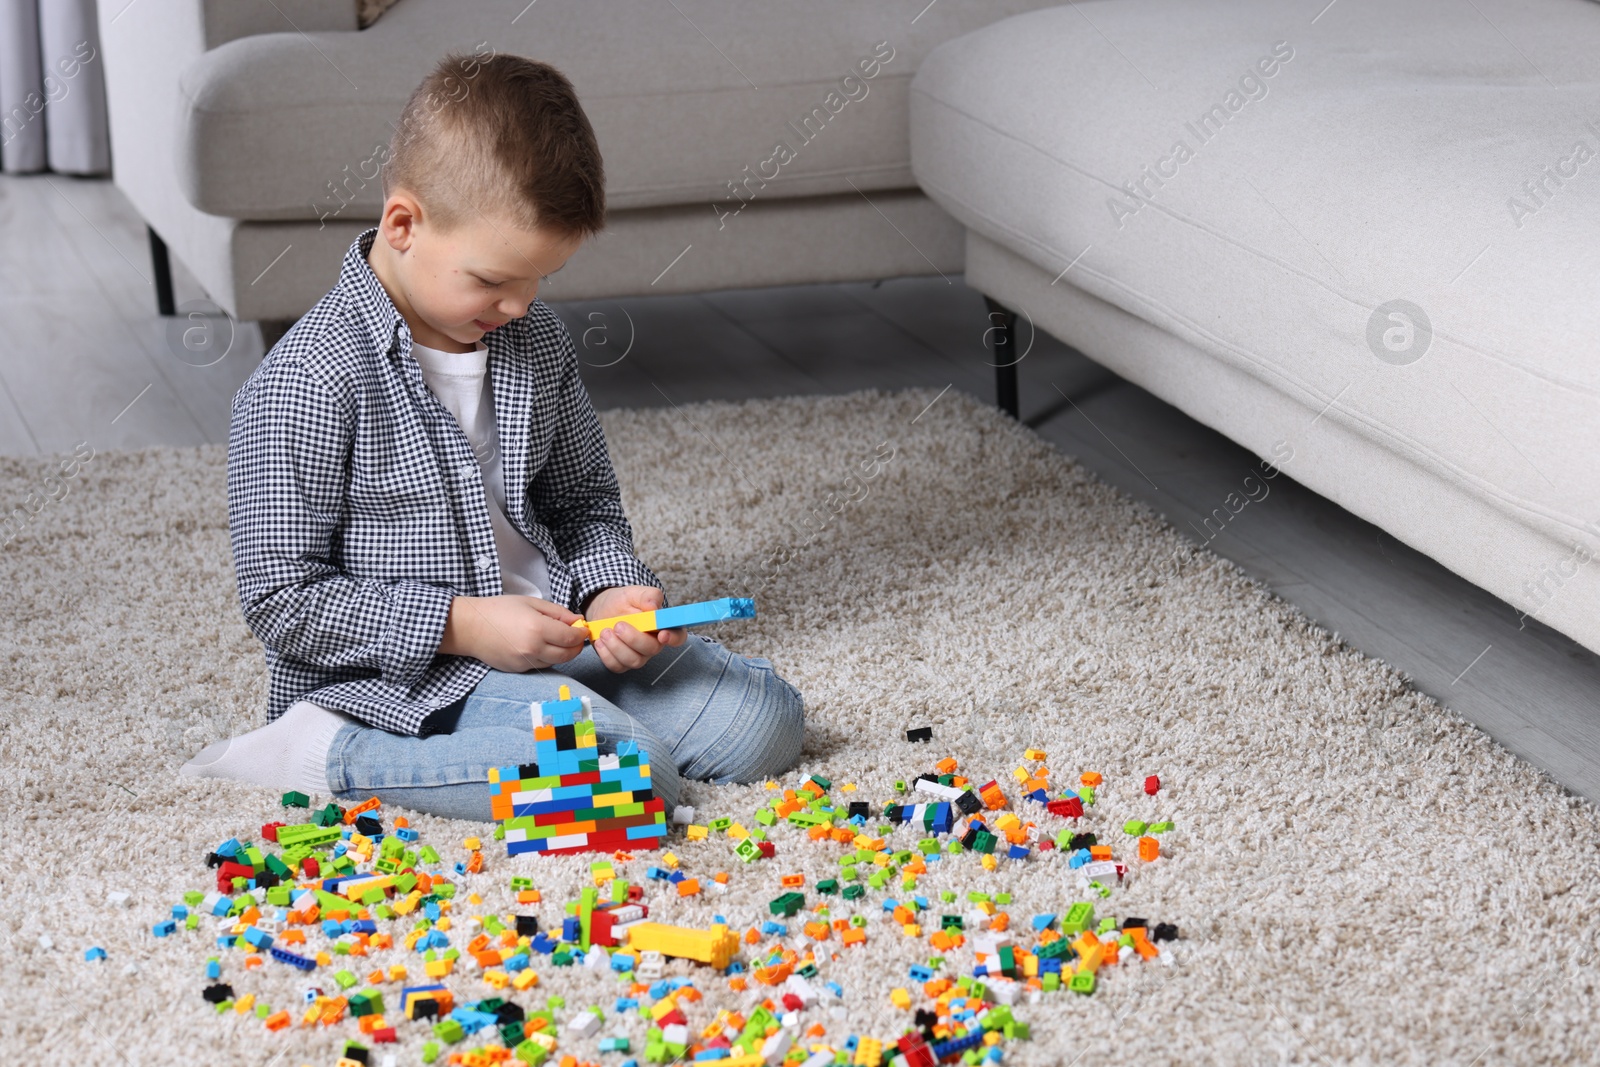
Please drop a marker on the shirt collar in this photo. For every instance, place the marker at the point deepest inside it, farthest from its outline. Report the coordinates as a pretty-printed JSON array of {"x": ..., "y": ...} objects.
[{"x": 371, "y": 301}]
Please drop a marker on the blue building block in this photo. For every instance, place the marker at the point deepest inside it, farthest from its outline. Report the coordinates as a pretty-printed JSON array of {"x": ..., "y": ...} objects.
[
  {"x": 292, "y": 959},
  {"x": 95, "y": 953},
  {"x": 163, "y": 928}
]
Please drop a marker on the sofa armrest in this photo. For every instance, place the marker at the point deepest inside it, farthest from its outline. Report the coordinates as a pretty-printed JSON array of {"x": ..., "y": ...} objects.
[{"x": 228, "y": 20}]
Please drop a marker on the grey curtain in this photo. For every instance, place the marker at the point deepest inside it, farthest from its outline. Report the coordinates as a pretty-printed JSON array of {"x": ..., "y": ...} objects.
[{"x": 52, "y": 88}]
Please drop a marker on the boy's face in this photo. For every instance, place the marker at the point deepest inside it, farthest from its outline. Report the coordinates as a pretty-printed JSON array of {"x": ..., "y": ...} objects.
[{"x": 455, "y": 285}]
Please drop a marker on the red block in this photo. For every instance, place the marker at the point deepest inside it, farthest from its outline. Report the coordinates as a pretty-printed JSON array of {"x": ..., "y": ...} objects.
[
  {"x": 383, "y": 1036},
  {"x": 1151, "y": 785},
  {"x": 231, "y": 870},
  {"x": 1067, "y": 807},
  {"x": 311, "y": 867},
  {"x": 270, "y": 831},
  {"x": 768, "y": 849}
]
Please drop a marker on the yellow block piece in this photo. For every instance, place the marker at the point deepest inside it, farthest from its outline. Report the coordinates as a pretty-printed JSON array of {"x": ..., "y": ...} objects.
[
  {"x": 715, "y": 946},
  {"x": 901, "y": 999},
  {"x": 639, "y": 620}
]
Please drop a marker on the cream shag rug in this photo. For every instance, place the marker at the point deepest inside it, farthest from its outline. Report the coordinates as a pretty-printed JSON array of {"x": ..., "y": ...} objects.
[{"x": 1357, "y": 875}]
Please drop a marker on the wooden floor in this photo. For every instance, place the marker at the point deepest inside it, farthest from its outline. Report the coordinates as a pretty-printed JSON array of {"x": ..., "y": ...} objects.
[{"x": 83, "y": 357}]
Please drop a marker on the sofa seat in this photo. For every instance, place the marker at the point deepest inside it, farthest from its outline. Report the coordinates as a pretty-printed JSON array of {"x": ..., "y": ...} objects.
[
  {"x": 1383, "y": 152},
  {"x": 292, "y": 126}
]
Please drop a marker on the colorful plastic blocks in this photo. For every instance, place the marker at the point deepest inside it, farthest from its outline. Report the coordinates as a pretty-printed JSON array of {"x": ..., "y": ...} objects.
[{"x": 574, "y": 799}]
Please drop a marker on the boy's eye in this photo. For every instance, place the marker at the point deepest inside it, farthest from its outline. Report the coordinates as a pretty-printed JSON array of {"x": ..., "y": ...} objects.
[{"x": 485, "y": 283}]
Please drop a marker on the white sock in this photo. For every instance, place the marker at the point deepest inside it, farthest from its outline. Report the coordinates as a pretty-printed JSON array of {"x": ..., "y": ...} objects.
[{"x": 291, "y": 752}]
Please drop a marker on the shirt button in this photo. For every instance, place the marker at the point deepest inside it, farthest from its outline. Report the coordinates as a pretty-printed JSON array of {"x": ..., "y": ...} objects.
[{"x": 483, "y": 563}]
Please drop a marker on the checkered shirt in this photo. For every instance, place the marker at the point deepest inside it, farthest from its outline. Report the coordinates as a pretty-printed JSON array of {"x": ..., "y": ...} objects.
[{"x": 357, "y": 509}]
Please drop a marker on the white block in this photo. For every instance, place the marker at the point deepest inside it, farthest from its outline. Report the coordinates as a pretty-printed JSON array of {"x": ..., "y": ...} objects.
[
  {"x": 943, "y": 792},
  {"x": 676, "y": 1034},
  {"x": 682, "y": 815},
  {"x": 774, "y": 1048},
  {"x": 584, "y": 1023},
  {"x": 597, "y": 960},
  {"x": 801, "y": 988},
  {"x": 117, "y": 898},
  {"x": 1003, "y": 990}
]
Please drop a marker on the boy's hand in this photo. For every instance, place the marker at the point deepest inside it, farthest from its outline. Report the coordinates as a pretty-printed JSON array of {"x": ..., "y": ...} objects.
[
  {"x": 511, "y": 633},
  {"x": 623, "y": 647}
]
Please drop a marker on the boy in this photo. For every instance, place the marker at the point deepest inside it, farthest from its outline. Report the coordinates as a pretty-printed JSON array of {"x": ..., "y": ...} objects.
[{"x": 420, "y": 499}]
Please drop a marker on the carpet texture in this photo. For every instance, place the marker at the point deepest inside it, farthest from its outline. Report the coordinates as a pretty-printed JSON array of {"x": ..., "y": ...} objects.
[{"x": 1358, "y": 876}]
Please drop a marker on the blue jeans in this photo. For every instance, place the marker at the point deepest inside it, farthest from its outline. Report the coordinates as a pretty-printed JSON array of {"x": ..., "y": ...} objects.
[{"x": 699, "y": 710}]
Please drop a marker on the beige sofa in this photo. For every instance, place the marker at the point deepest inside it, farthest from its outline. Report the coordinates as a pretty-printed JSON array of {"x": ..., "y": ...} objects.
[
  {"x": 1362, "y": 243},
  {"x": 247, "y": 133}
]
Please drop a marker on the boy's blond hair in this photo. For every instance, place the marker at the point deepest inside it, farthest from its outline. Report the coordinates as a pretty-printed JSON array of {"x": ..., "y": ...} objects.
[{"x": 501, "y": 138}]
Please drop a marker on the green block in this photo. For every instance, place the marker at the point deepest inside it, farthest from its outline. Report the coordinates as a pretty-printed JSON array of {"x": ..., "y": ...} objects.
[
  {"x": 899, "y": 787},
  {"x": 510, "y": 1034},
  {"x": 720, "y": 825},
  {"x": 345, "y": 979},
  {"x": 928, "y": 846},
  {"x": 1051, "y": 982},
  {"x": 976, "y": 897},
  {"x": 786, "y": 905},
  {"x": 766, "y": 817},
  {"x": 531, "y": 1053},
  {"x": 747, "y": 851},
  {"x": 1134, "y": 827},
  {"x": 193, "y": 898},
  {"x": 879, "y": 880},
  {"x": 1107, "y": 925},
  {"x": 1159, "y": 827},
  {"x": 428, "y": 854},
  {"x": 1082, "y": 982},
  {"x": 828, "y": 886},
  {"x": 1079, "y": 918},
  {"x": 1086, "y": 794},
  {"x": 1002, "y": 898},
  {"x": 854, "y": 892},
  {"x": 448, "y": 1031},
  {"x": 952, "y": 922},
  {"x": 293, "y": 799},
  {"x": 192, "y": 922},
  {"x": 430, "y": 1051},
  {"x": 278, "y": 896},
  {"x": 500, "y": 835},
  {"x": 953, "y": 847}
]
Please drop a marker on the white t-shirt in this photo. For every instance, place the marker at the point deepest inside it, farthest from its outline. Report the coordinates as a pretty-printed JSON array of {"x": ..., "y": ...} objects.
[{"x": 461, "y": 382}]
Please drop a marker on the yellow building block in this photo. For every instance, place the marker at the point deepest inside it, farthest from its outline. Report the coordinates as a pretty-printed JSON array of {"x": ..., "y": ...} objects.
[
  {"x": 696, "y": 833},
  {"x": 901, "y": 999},
  {"x": 438, "y": 968},
  {"x": 715, "y": 946},
  {"x": 525, "y": 979}
]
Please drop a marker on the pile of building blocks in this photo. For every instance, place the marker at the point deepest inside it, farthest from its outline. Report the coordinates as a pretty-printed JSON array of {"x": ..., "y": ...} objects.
[
  {"x": 388, "y": 936},
  {"x": 574, "y": 799}
]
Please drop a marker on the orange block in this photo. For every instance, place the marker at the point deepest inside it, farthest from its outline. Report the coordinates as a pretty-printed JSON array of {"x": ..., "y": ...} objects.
[
  {"x": 1000, "y": 922},
  {"x": 475, "y": 864},
  {"x": 817, "y": 931},
  {"x": 853, "y": 936},
  {"x": 1091, "y": 778},
  {"x": 1100, "y": 852},
  {"x": 817, "y": 833},
  {"x": 528, "y": 896},
  {"x": 688, "y": 887},
  {"x": 277, "y": 1020},
  {"x": 1149, "y": 849},
  {"x": 738, "y": 984},
  {"x": 362, "y": 808}
]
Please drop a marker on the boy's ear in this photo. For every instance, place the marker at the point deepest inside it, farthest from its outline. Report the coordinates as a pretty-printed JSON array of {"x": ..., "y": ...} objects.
[{"x": 397, "y": 225}]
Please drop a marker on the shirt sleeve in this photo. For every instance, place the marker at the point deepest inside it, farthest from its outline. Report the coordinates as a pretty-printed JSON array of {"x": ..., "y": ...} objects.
[
  {"x": 288, "y": 459},
  {"x": 575, "y": 495}
]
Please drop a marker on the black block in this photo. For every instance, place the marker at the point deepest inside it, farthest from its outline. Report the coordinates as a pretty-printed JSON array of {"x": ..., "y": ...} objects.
[
  {"x": 527, "y": 925},
  {"x": 216, "y": 994},
  {"x": 1164, "y": 932},
  {"x": 968, "y": 803},
  {"x": 920, "y": 733}
]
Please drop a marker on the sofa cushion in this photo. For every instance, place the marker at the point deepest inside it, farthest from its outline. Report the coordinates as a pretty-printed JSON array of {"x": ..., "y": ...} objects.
[
  {"x": 294, "y": 126},
  {"x": 1266, "y": 185}
]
